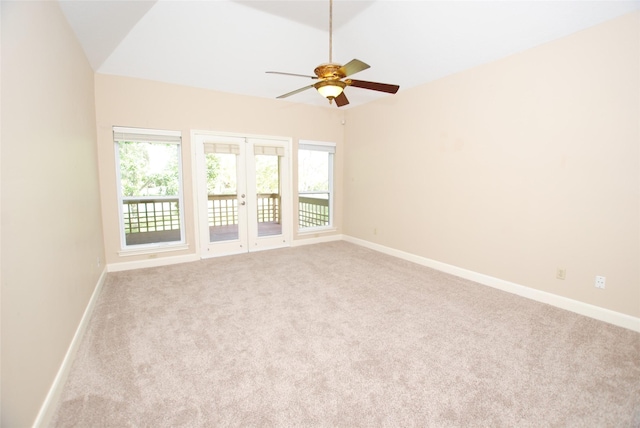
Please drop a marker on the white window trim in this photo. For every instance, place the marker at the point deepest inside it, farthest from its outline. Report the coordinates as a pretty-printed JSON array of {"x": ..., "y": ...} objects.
[
  {"x": 289, "y": 192},
  {"x": 146, "y": 135},
  {"x": 317, "y": 145},
  {"x": 331, "y": 149}
]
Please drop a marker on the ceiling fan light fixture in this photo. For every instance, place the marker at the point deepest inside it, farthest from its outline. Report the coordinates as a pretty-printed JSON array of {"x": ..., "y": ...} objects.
[{"x": 330, "y": 88}]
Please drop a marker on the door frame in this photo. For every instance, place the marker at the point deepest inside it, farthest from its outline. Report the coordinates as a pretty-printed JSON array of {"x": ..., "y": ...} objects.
[{"x": 286, "y": 197}]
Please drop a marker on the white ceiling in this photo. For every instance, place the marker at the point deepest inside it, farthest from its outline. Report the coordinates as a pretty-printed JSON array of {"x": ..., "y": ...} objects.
[{"x": 227, "y": 45}]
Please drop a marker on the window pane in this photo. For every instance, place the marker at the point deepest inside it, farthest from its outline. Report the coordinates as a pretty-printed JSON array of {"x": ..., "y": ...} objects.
[
  {"x": 313, "y": 175},
  {"x": 149, "y": 169},
  {"x": 222, "y": 199},
  {"x": 150, "y": 186},
  {"x": 268, "y": 194},
  {"x": 221, "y": 173},
  {"x": 314, "y": 188}
]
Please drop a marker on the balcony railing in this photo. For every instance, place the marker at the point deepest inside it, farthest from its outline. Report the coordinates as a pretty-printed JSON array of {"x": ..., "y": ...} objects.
[
  {"x": 157, "y": 219},
  {"x": 151, "y": 220},
  {"x": 313, "y": 209},
  {"x": 151, "y": 214},
  {"x": 222, "y": 210}
]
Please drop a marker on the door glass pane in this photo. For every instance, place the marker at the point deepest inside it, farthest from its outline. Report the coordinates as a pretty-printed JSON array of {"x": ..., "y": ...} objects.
[
  {"x": 268, "y": 194},
  {"x": 222, "y": 196}
]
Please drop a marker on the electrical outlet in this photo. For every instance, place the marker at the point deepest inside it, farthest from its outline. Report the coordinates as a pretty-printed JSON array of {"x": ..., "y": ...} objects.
[
  {"x": 561, "y": 273},
  {"x": 98, "y": 261},
  {"x": 600, "y": 281}
]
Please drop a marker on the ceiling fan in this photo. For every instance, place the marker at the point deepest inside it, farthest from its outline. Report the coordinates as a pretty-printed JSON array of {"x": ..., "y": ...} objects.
[{"x": 331, "y": 76}]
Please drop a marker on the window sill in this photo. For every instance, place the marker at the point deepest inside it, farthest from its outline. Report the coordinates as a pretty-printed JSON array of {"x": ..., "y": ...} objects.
[
  {"x": 152, "y": 249},
  {"x": 315, "y": 230}
]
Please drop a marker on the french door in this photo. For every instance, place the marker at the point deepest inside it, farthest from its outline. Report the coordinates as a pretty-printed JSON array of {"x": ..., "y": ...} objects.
[{"x": 243, "y": 193}]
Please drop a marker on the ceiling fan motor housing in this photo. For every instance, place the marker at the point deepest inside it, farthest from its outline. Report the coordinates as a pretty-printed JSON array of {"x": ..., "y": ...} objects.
[{"x": 330, "y": 71}]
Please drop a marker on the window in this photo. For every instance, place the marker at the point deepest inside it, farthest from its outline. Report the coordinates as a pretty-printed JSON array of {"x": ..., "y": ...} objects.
[
  {"x": 149, "y": 187},
  {"x": 315, "y": 185}
]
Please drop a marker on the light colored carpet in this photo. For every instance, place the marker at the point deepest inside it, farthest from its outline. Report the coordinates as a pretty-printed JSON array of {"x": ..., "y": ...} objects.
[{"x": 337, "y": 335}]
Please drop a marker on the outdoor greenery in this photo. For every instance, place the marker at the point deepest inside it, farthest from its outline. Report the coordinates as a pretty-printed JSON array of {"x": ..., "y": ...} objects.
[
  {"x": 221, "y": 174},
  {"x": 267, "y": 174},
  {"x": 149, "y": 169},
  {"x": 152, "y": 169},
  {"x": 313, "y": 167}
]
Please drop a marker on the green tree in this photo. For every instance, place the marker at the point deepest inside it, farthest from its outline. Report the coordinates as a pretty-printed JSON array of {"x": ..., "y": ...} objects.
[
  {"x": 213, "y": 168},
  {"x": 221, "y": 173},
  {"x": 148, "y": 169},
  {"x": 313, "y": 167},
  {"x": 267, "y": 174}
]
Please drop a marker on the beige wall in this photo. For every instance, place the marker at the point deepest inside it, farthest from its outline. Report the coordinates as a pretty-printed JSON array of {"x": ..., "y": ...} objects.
[
  {"x": 511, "y": 169},
  {"x": 514, "y": 168},
  {"x": 51, "y": 224},
  {"x": 131, "y": 102}
]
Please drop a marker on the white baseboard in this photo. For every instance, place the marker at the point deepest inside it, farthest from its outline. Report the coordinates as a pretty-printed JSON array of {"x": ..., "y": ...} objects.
[
  {"x": 49, "y": 405},
  {"x": 316, "y": 240},
  {"x": 586, "y": 309},
  {"x": 155, "y": 262}
]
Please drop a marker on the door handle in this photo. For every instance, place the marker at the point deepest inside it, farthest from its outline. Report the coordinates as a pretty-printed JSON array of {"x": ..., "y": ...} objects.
[{"x": 243, "y": 203}]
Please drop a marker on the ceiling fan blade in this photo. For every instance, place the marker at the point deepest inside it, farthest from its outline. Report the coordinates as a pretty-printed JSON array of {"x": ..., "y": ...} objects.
[
  {"x": 288, "y": 94},
  {"x": 291, "y": 74},
  {"x": 382, "y": 87},
  {"x": 341, "y": 100},
  {"x": 353, "y": 66}
]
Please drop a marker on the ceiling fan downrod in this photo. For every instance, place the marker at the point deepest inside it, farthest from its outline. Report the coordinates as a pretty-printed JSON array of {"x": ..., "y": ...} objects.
[{"x": 330, "y": 31}]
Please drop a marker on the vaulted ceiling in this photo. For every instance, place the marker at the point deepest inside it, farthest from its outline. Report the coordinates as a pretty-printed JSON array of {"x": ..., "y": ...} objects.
[{"x": 228, "y": 45}]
